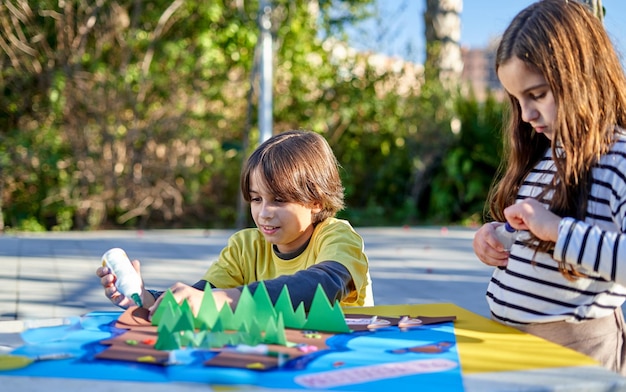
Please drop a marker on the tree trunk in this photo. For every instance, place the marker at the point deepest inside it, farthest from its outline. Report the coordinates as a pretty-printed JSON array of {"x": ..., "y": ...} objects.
[
  {"x": 596, "y": 7},
  {"x": 442, "y": 75},
  {"x": 443, "y": 33}
]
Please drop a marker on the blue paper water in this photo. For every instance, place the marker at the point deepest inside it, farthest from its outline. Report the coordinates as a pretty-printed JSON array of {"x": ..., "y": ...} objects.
[{"x": 364, "y": 361}]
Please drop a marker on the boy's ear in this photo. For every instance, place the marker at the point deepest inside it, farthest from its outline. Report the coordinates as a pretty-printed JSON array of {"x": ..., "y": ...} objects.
[{"x": 315, "y": 208}]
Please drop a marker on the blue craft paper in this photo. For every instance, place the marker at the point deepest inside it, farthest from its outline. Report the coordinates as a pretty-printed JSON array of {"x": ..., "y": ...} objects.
[{"x": 82, "y": 337}]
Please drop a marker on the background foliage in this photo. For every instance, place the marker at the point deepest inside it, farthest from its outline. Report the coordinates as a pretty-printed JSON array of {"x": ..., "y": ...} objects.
[{"x": 139, "y": 114}]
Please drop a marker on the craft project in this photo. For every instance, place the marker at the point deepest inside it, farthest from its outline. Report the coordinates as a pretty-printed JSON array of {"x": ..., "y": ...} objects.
[
  {"x": 257, "y": 335},
  {"x": 378, "y": 353}
]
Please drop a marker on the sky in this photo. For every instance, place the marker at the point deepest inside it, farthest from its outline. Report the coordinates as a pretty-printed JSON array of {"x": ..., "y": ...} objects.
[{"x": 481, "y": 20}]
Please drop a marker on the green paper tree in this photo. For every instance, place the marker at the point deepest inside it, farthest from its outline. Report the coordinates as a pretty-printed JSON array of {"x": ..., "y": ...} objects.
[
  {"x": 167, "y": 301},
  {"x": 300, "y": 317},
  {"x": 264, "y": 307},
  {"x": 255, "y": 319},
  {"x": 169, "y": 316},
  {"x": 255, "y": 334},
  {"x": 166, "y": 340},
  {"x": 186, "y": 320},
  {"x": 227, "y": 318},
  {"x": 293, "y": 319},
  {"x": 199, "y": 338},
  {"x": 218, "y": 327},
  {"x": 275, "y": 331},
  {"x": 246, "y": 306},
  {"x": 323, "y": 316},
  {"x": 207, "y": 314},
  {"x": 186, "y": 338}
]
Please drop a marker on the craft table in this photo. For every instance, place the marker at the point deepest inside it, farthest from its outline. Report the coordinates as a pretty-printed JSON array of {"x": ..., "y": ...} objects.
[{"x": 492, "y": 357}]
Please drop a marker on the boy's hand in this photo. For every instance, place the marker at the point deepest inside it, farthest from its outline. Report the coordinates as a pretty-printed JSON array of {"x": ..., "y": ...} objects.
[
  {"x": 107, "y": 280},
  {"x": 194, "y": 297}
]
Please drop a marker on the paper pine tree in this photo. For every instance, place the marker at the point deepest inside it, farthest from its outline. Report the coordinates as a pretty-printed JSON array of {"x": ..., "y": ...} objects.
[
  {"x": 293, "y": 319},
  {"x": 217, "y": 327},
  {"x": 254, "y": 321},
  {"x": 323, "y": 316},
  {"x": 207, "y": 314},
  {"x": 264, "y": 307},
  {"x": 198, "y": 338},
  {"x": 170, "y": 316},
  {"x": 227, "y": 318},
  {"x": 168, "y": 300},
  {"x": 166, "y": 340},
  {"x": 185, "y": 320},
  {"x": 299, "y": 319},
  {"x": 283, "y": 303},
  {"x": 255, "y": 334},
  {"x": 246, "y": 307},
  {"x": 275, "y": 331}
]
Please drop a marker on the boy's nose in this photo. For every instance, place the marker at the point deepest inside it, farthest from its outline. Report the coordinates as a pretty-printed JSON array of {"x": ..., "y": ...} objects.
[{"x": 266, "y": 211}]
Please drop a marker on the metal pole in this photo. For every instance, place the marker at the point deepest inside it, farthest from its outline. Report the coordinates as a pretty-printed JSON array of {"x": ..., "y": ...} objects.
[{"x": 266, "y": 72}]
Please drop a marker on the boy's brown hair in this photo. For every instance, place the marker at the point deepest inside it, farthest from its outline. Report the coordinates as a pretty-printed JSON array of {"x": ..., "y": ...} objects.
[{"x": 298, "y": 166}]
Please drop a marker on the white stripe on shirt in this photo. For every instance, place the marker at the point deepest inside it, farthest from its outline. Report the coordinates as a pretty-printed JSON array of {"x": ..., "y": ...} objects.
[{"x": 530, "y": 292}]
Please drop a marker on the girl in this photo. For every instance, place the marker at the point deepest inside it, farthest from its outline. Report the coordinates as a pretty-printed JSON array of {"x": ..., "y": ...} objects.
[
  {"x": 564, "y": 183},
  {"x": 294, "y": 189}
]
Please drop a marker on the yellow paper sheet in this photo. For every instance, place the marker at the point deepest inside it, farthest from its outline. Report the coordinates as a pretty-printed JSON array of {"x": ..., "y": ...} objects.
[{"x": 485, "y": 345}]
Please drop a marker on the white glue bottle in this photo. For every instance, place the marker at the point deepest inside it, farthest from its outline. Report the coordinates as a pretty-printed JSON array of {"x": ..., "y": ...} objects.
[
  {"x": 127, "y": 280},
  {"x": 506, "y": 234}
]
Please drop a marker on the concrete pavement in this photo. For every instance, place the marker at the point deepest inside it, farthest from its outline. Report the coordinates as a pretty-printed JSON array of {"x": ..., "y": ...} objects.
[{"x": 52, "y": 275}]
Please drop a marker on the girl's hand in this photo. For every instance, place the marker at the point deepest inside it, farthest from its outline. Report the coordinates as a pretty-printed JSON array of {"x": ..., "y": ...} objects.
[
  {"x": 107, "y": 280},
  {"x": 531, "y": 215},
  {"x": 487, "y": 247}
]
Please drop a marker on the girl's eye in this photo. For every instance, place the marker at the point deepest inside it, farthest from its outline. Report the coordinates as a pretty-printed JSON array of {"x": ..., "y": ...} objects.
[
  {"x": 255, "y": 199},
  {"x": 537, "y": 96},
  {"x": 279, "y": 200}
]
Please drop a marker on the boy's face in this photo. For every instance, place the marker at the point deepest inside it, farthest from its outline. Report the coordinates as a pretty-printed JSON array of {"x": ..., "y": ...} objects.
[{"x": 288, "y": 225}]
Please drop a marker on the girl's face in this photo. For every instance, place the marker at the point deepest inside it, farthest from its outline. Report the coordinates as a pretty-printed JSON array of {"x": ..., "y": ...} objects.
[
  {"x": 533, "y": 94},
  {"x": 288, "y": 225}
]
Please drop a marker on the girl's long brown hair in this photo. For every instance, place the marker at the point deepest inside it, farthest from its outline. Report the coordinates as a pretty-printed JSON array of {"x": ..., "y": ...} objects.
[{"x": 569, "y": 46}]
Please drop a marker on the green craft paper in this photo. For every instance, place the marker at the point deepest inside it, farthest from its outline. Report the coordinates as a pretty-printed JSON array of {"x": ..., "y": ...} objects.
[
  {"x": 264, "y": 307},
  {"x": 218, "y": 327},
  {"x": 167, "y": 340},
  {"x": 255, "y": 319},
  {"x": 255, "y": 335},
  {"x": 198, "y": 339},
  {"x": 324, "y": 317},
  {"x": 207, "y": 314},
  {"x": 227, "y": 318},
  {"x": 246, "y": 307},
  {"x": 299, "y": 317},
  {"x": 293, "y": 319},
  {"x": 186, "y": 338},
  {"x": 166, "y": 301},
  {"x": 169, "y": 316},
  {"x": 275, "y": 331},
  {"x": 220, "y": 339},
  {"x": 186, "y": 320}
]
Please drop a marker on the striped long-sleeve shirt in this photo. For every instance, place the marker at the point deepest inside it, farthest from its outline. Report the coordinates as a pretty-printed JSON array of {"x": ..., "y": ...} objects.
[{"x": 531, "y": 289}]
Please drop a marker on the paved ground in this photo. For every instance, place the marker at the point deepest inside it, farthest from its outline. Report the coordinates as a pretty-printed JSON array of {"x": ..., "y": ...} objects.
[{"x": 53, "y": 274}]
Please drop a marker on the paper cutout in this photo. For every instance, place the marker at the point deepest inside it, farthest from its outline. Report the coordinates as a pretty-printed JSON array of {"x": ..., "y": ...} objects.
[
  {"x": 167, "y": 301},
  {"x": 325, "y": 317},
  {"x": 283, "y": 332}
]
